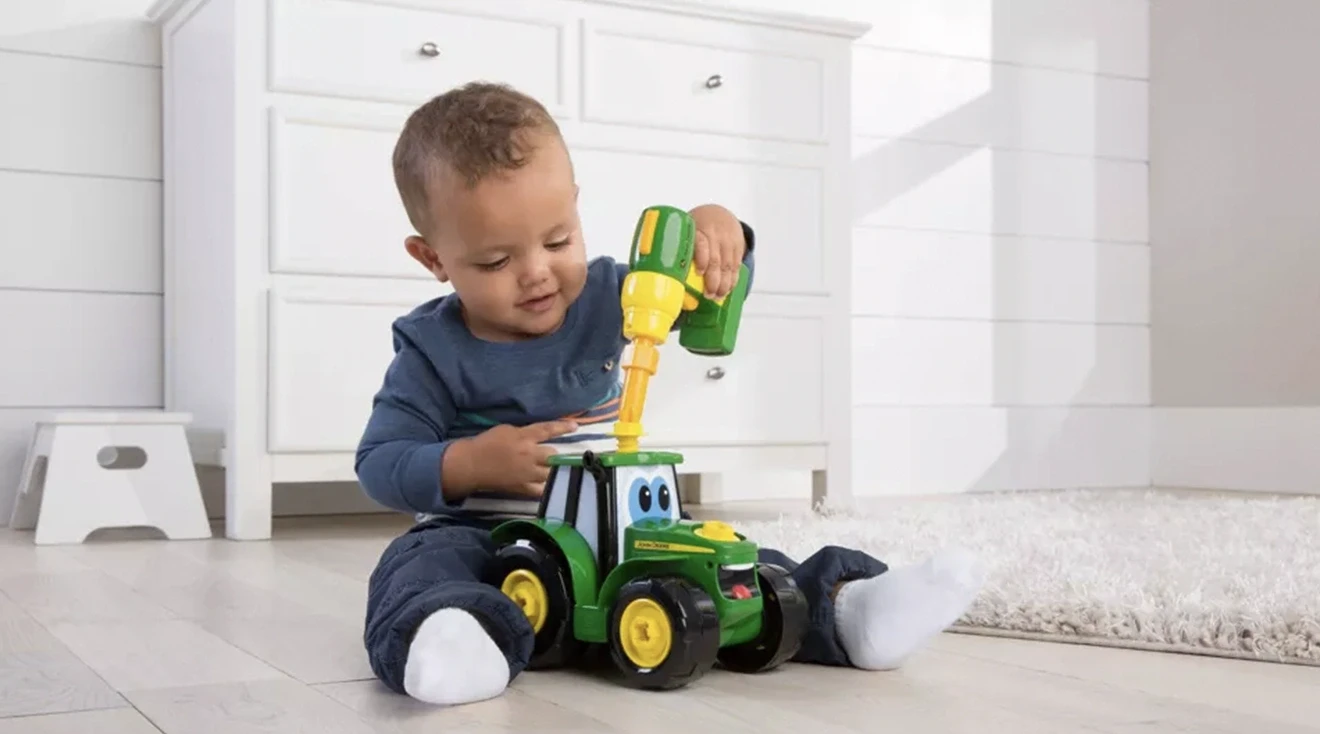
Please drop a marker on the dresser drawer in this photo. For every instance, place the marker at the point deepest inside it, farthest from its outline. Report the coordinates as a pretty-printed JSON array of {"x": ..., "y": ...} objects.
[
  {"x": 701, "y": 77},
  {"x": 768, "y": 391},
  {"x": 324, "y": 221},
  {"x": 388, "y": 53},
  {"x": 329, "y": 348}
]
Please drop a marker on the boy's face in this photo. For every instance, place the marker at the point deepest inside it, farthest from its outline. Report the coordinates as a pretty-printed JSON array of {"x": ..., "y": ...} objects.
[{"x": 512, "y": 246}]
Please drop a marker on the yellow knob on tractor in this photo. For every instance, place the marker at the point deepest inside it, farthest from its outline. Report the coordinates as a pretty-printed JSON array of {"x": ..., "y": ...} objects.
[{"x": 716, "y": 530}]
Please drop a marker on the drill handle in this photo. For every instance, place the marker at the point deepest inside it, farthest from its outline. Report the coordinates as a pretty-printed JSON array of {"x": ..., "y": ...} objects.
[{"x": 710, "y": 327}]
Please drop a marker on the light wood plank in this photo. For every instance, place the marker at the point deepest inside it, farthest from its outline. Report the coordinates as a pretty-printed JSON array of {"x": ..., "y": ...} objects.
[
  {"x": 112, "y": 721},
  {"x": 79, "y": 596},
  {"x": 159, "y": 654},
  {"x": 257, "y": 707},
  {"x": 312, "y": 648},
  {"x": 514, "y": 712},
  {"x": 39, "y": 675}
]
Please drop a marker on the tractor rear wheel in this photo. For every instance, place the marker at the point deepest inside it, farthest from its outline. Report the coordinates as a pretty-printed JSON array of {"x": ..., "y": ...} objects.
[
  {"x": 663, "y": 633},
  {"x": 535, "y": 580},
  {"x": 783, "y": 624}
]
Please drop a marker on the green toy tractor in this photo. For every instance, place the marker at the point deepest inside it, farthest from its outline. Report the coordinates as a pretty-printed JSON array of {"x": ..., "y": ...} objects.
[{"x": 610, "y": 560}]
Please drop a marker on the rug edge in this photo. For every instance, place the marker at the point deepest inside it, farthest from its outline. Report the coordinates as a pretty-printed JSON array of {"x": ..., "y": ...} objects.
[{"x": 1126, "y": 644}]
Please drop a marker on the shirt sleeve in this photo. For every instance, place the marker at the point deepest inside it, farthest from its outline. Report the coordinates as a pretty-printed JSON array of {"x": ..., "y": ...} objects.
[{"x": 403, "y": 446}]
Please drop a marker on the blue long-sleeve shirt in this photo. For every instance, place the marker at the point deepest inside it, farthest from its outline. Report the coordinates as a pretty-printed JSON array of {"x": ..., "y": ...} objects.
[{"x": 445, "y": 384}]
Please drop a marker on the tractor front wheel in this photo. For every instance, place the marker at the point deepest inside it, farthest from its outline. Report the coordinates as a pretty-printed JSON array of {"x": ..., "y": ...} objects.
[
  {"x": 783, "y": 624},
  {"x": 535, "y": 580},
  {"x": 664, "y": 633}
]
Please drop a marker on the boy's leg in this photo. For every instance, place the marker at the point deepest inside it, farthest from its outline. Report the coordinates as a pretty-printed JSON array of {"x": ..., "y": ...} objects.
[
  {"x": 434, "y": 630},
  {"x": 864, "y": 614}
]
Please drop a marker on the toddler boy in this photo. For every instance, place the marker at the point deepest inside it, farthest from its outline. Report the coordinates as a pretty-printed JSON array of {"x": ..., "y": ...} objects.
[{"x": 523, "y": 354}]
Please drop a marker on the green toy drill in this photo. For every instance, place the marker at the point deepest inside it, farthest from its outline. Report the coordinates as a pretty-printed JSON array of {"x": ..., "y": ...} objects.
[{"x": 662, "y": 285}]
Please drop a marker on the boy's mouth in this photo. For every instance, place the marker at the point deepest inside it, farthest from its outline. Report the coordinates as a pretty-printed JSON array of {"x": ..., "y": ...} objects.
[{"x": 539, "y": 304}]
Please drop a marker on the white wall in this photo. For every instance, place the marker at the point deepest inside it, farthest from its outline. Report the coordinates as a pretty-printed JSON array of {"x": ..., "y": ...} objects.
[
  {"x": 1001, "y": 241},
  {"x": 1235, "y": 174},
  {"x": 80, "y": 235},
  {"x": 1001, "y": 249}
]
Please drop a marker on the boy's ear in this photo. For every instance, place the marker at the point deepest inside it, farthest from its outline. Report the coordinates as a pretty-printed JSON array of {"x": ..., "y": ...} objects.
[{"x": 423, "y": 253}]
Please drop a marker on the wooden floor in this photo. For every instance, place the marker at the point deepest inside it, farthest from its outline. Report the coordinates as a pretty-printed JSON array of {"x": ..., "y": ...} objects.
[{"x": 133, "y": 636}]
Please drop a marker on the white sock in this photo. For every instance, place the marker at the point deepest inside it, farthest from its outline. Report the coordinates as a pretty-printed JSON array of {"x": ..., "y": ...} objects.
[
  {"x": 882, "y": 620},
  {"x": 452, "y": 660}
]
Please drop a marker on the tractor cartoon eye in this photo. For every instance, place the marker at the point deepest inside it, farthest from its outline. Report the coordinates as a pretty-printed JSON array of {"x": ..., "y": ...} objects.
[{"x": 649, "y": 499}]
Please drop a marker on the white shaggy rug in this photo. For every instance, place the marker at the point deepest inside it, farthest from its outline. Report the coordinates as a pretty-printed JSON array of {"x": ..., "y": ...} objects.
[{"x": 1219, "y": 575}]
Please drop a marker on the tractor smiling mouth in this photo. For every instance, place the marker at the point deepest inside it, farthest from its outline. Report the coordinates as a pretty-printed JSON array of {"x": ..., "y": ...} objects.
[{"x": 738, "y": 581}]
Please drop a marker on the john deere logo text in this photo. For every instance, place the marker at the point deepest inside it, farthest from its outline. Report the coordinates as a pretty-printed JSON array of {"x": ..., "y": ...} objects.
[{"x": 657, "y": 545}]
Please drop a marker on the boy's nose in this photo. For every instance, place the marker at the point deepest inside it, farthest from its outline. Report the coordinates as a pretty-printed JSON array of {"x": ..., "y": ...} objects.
[{"x": 537, "y": 270}]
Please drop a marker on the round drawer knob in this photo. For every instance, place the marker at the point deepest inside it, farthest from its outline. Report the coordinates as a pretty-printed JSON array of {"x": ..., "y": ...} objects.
[
  {"x": 429, "y": 49},
  {"x": 714, "y": 81},
  {"x": 714, "y": 373}
]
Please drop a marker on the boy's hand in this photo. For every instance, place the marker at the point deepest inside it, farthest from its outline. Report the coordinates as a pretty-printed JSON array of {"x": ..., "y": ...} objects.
[
  {"x": 720, "y": 247},
  {"x": 508, "y": 458}
]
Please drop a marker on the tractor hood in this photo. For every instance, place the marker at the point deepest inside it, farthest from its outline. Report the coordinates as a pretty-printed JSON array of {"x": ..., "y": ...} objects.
[{"x": 667, "y": 537}]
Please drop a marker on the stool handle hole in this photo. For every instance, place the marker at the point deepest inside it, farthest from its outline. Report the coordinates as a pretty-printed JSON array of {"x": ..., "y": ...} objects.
[{"x": 121, "y": 457}]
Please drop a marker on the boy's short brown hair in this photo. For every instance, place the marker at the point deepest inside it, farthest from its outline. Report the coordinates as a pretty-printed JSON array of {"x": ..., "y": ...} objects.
[{"x": 470, "y": 132}]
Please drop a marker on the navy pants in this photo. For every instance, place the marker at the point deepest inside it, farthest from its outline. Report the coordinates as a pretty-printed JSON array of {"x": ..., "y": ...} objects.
[{"x": 440, "y": 563}]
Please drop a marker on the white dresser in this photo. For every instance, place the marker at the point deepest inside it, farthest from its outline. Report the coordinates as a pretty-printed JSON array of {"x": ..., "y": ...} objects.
[{"x": 284, "y": 253}]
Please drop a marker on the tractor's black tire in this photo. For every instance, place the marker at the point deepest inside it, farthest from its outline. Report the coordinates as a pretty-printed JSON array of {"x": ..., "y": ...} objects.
[
  {"x": 555, "y": 645},
  {"x": 783, "y": 625},
  {"x": 694, "y": 633}
]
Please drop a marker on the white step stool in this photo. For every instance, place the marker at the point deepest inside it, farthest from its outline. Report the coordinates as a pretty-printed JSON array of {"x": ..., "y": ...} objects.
[{"x": 110, "y": 469}]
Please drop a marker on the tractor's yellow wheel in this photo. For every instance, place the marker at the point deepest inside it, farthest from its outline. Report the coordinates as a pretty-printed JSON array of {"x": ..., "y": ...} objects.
[
  {"x": 527, "y": 591},
  {"x": 645, "y": 633}
]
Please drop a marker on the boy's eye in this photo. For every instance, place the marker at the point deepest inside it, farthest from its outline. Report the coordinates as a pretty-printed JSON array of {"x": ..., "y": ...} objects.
[
  {"x": 495, "y": 265},
  {"x": 559, "y": 244}
]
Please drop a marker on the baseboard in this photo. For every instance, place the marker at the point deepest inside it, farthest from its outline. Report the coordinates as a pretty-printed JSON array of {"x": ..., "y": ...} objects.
[
  {"x": 1243, "y": 449},
  {"x": 326, "y": 498}
]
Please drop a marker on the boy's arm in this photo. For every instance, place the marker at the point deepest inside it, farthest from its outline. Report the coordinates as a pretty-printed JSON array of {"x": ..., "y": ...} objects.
[{"x": 404, "y": 454}]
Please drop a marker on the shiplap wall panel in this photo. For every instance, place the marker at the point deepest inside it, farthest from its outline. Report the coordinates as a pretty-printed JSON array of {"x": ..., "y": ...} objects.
[
  {"x": 940, "y": 362},
  {"x": 959, "y": 188},
  {"x": 945, "y": 450},
  {"x": 957, "y": 275},
  {"x": 1106, "y": 37},
  {"x": 80, "y": 349},
  {"x": 100, "y": 30},
  {"x": 1001, "y": 250},
  {"x": 77, "y": 116},
  {"x": 65, "y": 232},
  {"x": 981, "y": 103}
]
